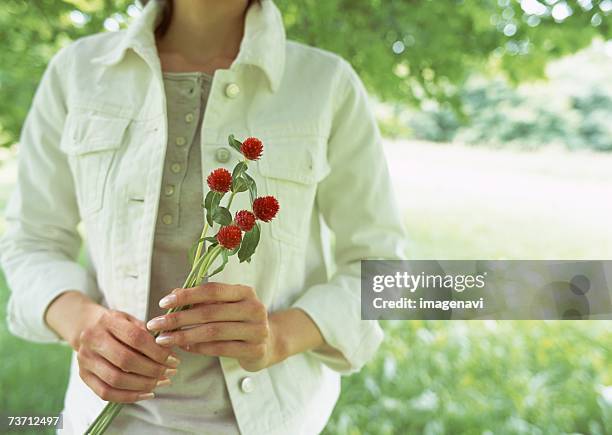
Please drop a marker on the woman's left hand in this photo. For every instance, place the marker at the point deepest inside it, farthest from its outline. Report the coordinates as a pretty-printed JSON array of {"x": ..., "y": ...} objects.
[{"x": 226, "y": 320}]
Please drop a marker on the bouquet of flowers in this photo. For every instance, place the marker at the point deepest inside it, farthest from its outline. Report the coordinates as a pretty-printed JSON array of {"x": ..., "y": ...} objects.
[{"x": 236, "y": 235}]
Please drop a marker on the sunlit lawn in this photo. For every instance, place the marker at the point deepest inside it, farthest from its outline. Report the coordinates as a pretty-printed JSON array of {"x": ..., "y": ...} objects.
[{"x": 480, "y": 377}]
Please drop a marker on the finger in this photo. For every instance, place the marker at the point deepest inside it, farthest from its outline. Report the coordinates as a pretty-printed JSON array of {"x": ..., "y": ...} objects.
[
  {"x": 231, "y": 349},
  {"x": 245, "y": 310},
  {"x": 117, "y": 378},
  {"x": 110, "y": 394},
  {"x": 209, "y": 292},
  {"x": 133, "y": 319},
  {"x": 141, "y": 340},
  {"x": 217, "y": 331},
  {"x": 127, "y": 359}
]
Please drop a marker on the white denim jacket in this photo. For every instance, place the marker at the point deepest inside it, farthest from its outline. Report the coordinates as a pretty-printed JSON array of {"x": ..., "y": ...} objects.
[{"x": 92, "y": 150}]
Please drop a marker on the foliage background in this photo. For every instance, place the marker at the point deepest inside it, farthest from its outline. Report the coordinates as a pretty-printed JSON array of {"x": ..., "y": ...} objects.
[
  {"x": 408, "y": 52},
  {"x": 571, "y": 108},
  {"x": 462, "y": 70}
]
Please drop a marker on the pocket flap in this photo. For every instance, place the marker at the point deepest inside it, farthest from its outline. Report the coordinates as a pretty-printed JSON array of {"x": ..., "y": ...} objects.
[
  {"x": 300, "y": 159},
  {"x": 88, "y": 133}
]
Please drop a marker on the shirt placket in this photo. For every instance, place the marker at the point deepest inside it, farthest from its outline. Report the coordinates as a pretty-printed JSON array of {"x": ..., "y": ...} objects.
[{"x": 180, "y": 139}]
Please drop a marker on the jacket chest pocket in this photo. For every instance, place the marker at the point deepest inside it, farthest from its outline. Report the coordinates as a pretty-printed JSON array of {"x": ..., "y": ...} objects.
[
  {"x": 292, "y": 168},
  {"x": 91, "y": 142}
]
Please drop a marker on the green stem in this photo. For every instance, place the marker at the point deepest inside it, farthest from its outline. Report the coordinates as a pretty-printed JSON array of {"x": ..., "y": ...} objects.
[
  {"x": 213, "y": 254},
  {"x": 105, "y": 418},
  {"x": 201, "y": 243},
  {"x": 193, "y": 272}
]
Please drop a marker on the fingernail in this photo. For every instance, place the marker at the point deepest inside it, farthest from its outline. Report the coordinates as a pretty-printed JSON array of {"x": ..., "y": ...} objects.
[
  {"x": 164, "y": 339},
  {"x": 170, "y": 372},
  {"x": 156, "y": 323},
  {"x": 167, "y": 301},
  {"x": 173, "y": 361},
  {"x": 146, "y": 396},
  {"x": 163, "y": 383}
]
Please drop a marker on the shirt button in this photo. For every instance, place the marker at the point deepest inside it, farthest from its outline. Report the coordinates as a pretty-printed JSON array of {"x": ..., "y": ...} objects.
[
  {"x": 232, "y": 90},
  {"x": 167, "y": 219},
  {"x": 247, "y": 385},
  {"x": 169, "y": 189},
  {"x": 180, "y": 141},
  {"x": 176, "y": 168},
  {"x": 189, "y": 117},
  {"x": 222, "y": 155}
]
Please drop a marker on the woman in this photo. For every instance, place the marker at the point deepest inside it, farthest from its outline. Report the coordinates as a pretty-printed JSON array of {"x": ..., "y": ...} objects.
[{"x": 117, "y": 137}]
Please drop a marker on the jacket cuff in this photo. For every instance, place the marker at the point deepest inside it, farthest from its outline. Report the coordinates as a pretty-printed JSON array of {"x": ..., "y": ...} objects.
[
  {"x": 26, "y": 308},
  {"x": 337, "y": 313}
]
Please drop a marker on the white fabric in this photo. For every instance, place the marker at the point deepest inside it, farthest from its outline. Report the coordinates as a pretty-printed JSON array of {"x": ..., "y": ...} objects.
[{"x": 92, "y": 150}]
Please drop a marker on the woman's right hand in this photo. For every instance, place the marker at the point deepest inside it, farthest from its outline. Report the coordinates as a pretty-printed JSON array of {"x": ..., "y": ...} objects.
[{"x": 118, "y": 357}]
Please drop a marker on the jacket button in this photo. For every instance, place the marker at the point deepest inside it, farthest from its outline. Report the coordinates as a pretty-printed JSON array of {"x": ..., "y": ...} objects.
[
  {"x": 169, "y": 189},
  {"x": 222, "y": 155},
  {"x": 232, "y": 90},
  {"x": 247, "y": 385}
]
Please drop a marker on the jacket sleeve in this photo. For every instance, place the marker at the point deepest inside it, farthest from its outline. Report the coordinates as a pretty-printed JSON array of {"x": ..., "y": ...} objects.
[
  {"x": 357, "y": 203},
  {"x": 39, "y": 248}
]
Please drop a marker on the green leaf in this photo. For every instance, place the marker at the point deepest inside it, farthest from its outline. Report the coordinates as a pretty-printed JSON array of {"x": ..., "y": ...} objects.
[
  {"x": 208, "y": 199},
  {"x": 211, "y": 202},
  {"x": 249, "y": 244},
  {"x": 216, "y": 200},
  {"x": 239, "y": 185},
  {"x": 222, "y": 216},
  {"x": 224, "y": 255},
  {"x": 252, "y": 186},
  {"x": 234, "y": 143},
  {"x": 239, "y": 169}
]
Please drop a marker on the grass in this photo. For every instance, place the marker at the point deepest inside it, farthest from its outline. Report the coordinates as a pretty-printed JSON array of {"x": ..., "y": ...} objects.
[
  {"x": 482, "y": 377},
  {"x": 436, "y": 377},
  {"x": 33, "y": 377}
]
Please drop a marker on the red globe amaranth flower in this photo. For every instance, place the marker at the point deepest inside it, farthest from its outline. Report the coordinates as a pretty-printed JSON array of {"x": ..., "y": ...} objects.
[
  {"x": 252, "y": 148},
  {"x": 219, "y": 180},
  {"x": 265, "y": 208},
  {"x": 229, "y": 236},
  {"x": 245, "y": 220}
]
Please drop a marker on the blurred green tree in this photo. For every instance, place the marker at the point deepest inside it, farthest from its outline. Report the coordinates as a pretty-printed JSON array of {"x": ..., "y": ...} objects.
[{"x": 405, "y": 50}]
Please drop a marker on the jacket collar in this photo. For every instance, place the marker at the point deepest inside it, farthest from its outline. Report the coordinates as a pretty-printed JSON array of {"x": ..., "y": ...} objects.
[{"x": 262, "y": 45}]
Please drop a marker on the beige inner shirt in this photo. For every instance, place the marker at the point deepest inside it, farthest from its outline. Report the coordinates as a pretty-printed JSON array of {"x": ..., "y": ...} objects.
[{"x": 197, "y": 401}]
